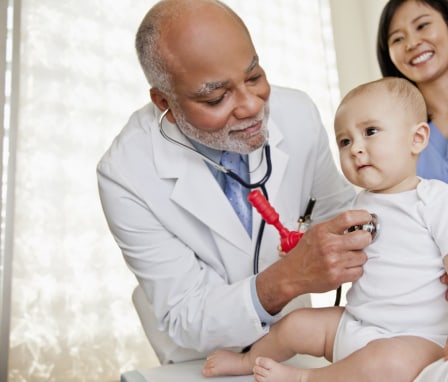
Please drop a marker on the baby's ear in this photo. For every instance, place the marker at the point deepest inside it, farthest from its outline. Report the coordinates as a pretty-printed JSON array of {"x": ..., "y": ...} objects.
[{"x": 420, "y": 137}]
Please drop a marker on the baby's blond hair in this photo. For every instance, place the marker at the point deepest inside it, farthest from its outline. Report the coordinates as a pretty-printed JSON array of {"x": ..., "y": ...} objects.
[{"x": 406, "y": 94}]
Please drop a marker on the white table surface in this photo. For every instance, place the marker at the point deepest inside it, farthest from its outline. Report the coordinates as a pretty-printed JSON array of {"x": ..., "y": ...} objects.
[{"x": 191, "y": 372}]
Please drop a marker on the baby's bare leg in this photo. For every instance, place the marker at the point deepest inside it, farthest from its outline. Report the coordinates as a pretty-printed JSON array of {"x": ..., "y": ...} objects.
[
  {"x": 445, "y": 350},
  {"x": 398, "y": 359},
  {"x": 303, "y": 331}
]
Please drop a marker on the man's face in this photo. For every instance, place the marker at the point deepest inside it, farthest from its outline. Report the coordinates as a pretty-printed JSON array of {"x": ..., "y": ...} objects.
[{"x": 221, "y": 91}]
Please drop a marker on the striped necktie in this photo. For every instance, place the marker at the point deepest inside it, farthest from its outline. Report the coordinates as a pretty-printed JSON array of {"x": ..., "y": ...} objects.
[{"x": 235, "y": 192}]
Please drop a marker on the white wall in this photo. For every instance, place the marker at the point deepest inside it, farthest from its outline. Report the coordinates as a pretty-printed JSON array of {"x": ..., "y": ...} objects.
[{"x": 355, "y": 24}]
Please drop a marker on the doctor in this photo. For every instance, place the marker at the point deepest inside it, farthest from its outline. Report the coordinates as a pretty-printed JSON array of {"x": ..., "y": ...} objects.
[{"x": 166, "y": 206}]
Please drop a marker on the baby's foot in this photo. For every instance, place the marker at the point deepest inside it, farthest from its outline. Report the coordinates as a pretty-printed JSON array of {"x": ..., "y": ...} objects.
[
  {"x": 267, "y": 370},
  {"x": 225, "y": 362}
]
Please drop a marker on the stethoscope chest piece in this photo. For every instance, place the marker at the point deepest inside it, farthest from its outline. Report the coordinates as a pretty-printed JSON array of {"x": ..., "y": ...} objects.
[{"x": 373, "y": 227}]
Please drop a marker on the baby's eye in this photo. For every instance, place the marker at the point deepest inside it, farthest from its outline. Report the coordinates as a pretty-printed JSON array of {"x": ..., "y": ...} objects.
[
  {"x": 371, "y": 131},
  {"x": 344, "y": 142}
]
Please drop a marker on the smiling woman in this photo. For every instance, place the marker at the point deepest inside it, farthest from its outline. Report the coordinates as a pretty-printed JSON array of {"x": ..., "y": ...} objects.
[
  {"x": 413, "y": 43},
  {"x": 71, "y": 316}
]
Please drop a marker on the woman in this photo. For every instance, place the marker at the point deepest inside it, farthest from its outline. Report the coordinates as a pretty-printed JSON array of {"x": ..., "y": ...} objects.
[{"x": 412, "y": 42}]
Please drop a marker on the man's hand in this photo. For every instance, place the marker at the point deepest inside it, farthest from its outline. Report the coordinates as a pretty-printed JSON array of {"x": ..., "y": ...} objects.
[{"x": 324, "y": 259}]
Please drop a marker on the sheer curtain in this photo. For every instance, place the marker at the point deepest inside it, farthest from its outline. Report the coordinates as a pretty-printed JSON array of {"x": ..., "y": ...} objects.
[{"x": 71, "y": 315}]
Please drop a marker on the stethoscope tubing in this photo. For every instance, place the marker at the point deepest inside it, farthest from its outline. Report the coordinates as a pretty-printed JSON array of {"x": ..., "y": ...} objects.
[
  {"x": 260, "y": 184},
  {"x": 218, "y": 166}
]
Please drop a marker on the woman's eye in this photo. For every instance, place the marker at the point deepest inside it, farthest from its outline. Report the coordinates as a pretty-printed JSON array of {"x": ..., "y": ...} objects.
[
  {"x": 422, "y": 25},
  {"x": 395, "y": 39}
]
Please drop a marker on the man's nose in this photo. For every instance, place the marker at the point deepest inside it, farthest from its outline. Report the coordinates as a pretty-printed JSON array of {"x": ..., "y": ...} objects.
[{"x": 248, "y": 103}]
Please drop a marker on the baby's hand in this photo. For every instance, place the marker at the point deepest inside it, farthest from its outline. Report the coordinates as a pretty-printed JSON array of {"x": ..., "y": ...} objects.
[{"x": 280, "y": 252}]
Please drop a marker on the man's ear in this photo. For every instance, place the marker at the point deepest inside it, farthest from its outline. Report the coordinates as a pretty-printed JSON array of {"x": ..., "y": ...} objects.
[
  {"x": 420, "y": 138},
  {"x": 161, "y": 101}
]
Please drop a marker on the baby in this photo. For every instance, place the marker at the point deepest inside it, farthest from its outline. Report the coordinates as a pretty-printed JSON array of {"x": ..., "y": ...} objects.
[{"x": 395, "y": 322}]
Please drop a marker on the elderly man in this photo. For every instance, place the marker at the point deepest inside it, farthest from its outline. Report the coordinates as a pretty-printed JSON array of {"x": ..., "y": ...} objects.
[{"x": 191, "y": 250}]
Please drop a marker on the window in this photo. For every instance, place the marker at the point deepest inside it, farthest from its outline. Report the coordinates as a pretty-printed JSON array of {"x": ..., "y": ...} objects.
[{"x": 71, "y": 315}]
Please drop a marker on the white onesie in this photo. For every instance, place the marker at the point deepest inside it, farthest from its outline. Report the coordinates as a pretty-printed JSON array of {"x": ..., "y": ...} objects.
[{"x": 400, "y": 292}]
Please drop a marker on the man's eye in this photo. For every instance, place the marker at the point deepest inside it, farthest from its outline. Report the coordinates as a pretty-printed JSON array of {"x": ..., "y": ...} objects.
[
  {"x": 255, "y": 78},
  {"x": 215, "y": 101}
]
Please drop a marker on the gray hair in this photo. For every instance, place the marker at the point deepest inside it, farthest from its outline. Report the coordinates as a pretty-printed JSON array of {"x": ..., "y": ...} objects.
[
  {"x": 148, "y": 51},
  {"x": 147, "y": 40}
]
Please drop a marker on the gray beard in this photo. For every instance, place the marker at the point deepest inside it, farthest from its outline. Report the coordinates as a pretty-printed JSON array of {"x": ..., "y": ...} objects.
[{"x": 221, "y": 139}]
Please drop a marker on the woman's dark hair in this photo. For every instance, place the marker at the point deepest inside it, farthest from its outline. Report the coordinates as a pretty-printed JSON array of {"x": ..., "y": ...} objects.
[{"x": 382, "y": 49}]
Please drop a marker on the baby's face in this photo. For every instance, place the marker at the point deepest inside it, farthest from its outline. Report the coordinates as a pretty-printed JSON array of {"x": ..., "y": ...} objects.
[{"x": 374, "y": 137}]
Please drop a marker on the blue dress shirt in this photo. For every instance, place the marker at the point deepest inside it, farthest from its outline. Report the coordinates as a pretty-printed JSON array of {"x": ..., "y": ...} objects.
[{"x": 265, "y": 318}]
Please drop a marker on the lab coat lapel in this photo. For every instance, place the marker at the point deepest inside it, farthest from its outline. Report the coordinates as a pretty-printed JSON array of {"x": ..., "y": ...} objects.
[
  {"x": 279, "y": 161},
  {"x": 210, "y": 205},
  {"x": 197, "y": 191}
]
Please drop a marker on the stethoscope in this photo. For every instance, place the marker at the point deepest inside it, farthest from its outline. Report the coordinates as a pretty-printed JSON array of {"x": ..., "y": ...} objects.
[{"x": 259, "y": 184}]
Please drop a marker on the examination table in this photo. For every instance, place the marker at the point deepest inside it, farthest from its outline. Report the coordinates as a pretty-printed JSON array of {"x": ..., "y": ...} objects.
[{"x": 190, "y": 371}]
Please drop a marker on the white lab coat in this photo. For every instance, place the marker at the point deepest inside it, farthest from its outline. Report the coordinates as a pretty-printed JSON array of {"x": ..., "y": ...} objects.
[{"x": 180, "y": 236}]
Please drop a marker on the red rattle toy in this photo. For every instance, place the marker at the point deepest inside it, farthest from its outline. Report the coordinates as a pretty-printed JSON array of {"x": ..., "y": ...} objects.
[{"x": 288, "y": 239}]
